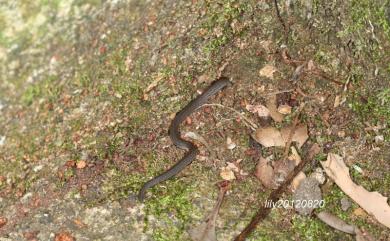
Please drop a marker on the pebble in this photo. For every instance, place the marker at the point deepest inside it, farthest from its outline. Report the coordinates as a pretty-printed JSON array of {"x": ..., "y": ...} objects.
[
  {"x": 345, "y": 204},
  {"x": 307, "y": 196},
  {"x": 319, "y": 175},
  {"x": 379, "y": 138}
]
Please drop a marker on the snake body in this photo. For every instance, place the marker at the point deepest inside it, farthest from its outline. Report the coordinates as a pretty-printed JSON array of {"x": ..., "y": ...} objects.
[{"x": 175, "y": 135}]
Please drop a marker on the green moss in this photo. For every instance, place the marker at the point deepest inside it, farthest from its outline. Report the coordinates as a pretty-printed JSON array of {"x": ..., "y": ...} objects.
[
  {"x": 307, "y": 228},
  {"x": 375, "y": 109},
  {"x": 47, "y": 89},
  {"x": 172, "y": 207},
  {"x": 222, "y": 15}
]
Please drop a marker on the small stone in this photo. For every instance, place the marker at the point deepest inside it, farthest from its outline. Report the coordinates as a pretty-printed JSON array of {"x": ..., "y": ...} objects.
[
  {"x": 230, "y": 144},
  {"x": 341, "y": 134},
  {"x": 379, "y": 138},
  {"x": 345, "y": 204},
  {"x": 307, "y": 197},
  {"x": 319, "y": 175},
  {"x": 37, "y": 168},
  {"x": 284, "y": 109}
]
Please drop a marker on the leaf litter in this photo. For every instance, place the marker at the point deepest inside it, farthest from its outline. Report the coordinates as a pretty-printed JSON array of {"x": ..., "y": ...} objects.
[
  {"x": 271, "y": 136},
  {"x": 205, "y": 231},
  {"x": 373, "y": 202}
]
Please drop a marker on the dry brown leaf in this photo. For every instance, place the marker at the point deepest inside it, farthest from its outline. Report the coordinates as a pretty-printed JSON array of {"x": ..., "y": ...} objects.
[
  {"x": 336, "y": 222},
  {"x": 81, "y": 164},
  {"x": 300, "y": 135},
  {"x": 336, "y": 101},
  {"x": 232, "y": 166},
  {"x": 265, "y": 173},
  {"x": 373, "y": 202},
  {"x": 204, "y": 78},
  {"x": 294, "y": 156},
  {"x": 269, "y": 136},
  {"x": 359, "y": 212},
  {"x": 199, "y": 138},
  {"x": 310, "y": 65},
  {"x": 284, "y": 109},
  {"x": 260, "y": 110},
  {"x": 3, "y": 221},
  {"x": 297, "y": 180},
  {"x": 227, "y": 174},
  {"x": 64, "y": 236},
  {"x": 268, "y": 71},
  {"x": 273, "y": 110},
  {"x": 205, "y": 231},
  {"x": 230, "y": 144}
]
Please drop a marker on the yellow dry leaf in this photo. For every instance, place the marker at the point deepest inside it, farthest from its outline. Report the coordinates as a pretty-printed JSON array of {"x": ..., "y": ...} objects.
[
  {"x": 273, "y": 110},
  {"x": 269, "y": 136},
  {"x": 268, "y": 71}
]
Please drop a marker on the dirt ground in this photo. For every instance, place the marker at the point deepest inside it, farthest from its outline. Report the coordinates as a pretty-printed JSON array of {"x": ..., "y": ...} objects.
[{"x": 88, "y": 89}]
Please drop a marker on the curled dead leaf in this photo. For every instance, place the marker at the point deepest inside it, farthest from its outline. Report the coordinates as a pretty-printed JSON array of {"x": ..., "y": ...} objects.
[
  {"x": 336, "y": 169},
  {"x": 300, "y": 134},
  {"x": 199, "y": 138},
  {"x": 260, "y": 110},
  {"x": 81, "y": 164},
  {"x": 269, "y": 136},
  {"x": 230, "y": 144},
  {"x": 284, "y": 109},
  {"x": 205, "y": 231},
  {"x": 265, "y": 173},
  {"x": 227, "y": 174},
  {"x": 297, "y": 180},
  {"x": 294, "y": 156},
  {"x": 336, "y": 222},
  {"x": 273, "y": 110}
]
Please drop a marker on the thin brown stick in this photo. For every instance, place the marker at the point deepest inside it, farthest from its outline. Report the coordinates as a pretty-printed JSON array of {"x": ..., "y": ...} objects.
[
  {"x": 264, "y": 210},
  {"x": 325, "y": 76},
  {"x": 281, "y": 20},
  {"x": 249, "y": 123}
]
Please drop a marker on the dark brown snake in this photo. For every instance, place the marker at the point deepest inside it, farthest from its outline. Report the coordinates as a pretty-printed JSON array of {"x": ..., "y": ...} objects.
[{"x": 175, "y": 135}]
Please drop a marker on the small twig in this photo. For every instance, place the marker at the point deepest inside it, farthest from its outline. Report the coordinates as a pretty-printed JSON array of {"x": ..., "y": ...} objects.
[
  {"x": 323, "y": 75},
  {"x": 281, "y": 20},
  {"x": 277, "y": 92},
  {"x": 290, "y": 135},
  {"x": 251, "y": 125},
  {"x": 264, "y": 210}
]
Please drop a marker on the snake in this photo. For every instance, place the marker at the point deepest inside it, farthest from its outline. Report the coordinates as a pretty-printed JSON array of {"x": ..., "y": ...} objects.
[{"x": 175, "y": 135}]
